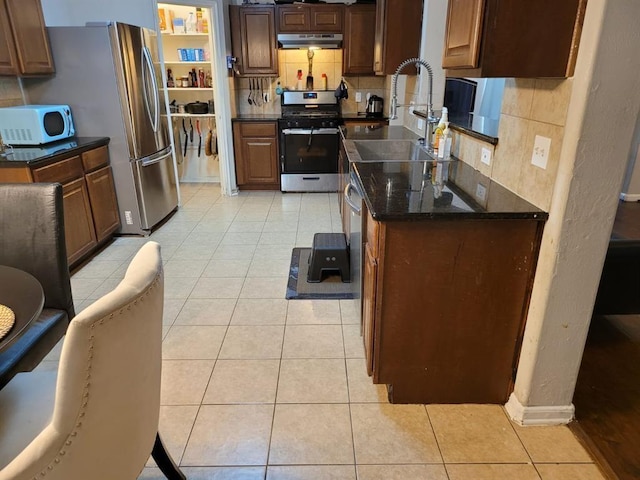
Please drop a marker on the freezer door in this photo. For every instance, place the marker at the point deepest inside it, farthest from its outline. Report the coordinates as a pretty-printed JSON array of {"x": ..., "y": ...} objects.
[
  {"x": 156, "y": 187},
  {"x": 142, "y": 104}
]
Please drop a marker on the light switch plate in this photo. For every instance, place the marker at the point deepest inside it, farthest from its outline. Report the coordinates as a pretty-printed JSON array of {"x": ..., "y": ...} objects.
[
  {"x": 541, "y": 147},
  {"x": 358, "y": 97},
  {"x": 486, "y": 156},
  {"x": 420, "y": 124}
]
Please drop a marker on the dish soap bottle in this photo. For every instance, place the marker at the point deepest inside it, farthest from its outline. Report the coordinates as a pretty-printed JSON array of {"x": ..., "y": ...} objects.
[
  {"x": 437, "y": 134},
  {"x": 278, "y": 88},
  {"x": 444, "y": 148},
  {"x": 324, "y": 81}
]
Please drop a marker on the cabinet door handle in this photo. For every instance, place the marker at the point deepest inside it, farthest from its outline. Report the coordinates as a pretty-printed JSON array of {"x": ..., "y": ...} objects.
[
  {"x": 258, "y": 144},
  {"x": 347, "y": 190}
]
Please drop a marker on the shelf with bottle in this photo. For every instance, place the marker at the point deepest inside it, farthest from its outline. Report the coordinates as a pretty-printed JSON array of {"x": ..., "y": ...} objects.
[
  {"x": 189, "y": 89},
  {"x": 190, "y": 115},
  {"x": 185, "y": 35},
  {"x": 181, "y": 62}
]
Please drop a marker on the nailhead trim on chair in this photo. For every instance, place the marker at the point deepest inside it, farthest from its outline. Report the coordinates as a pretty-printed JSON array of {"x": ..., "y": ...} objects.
[{"x": 74, "y": 433}]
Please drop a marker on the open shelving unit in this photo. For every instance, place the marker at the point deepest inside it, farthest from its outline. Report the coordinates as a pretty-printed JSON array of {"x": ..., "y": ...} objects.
[{"x": 192, "y": 167}]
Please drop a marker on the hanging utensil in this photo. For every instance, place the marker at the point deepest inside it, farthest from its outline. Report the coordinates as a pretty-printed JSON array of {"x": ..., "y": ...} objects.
[
  {"x": 250, "y": 91},
  {"x": 186, "y": 137},
  {"x": 190, "y": 130},
  {"x": 199, "y": 138},
  {"x": 310, "y": 74},
  {"x": 207, "y": 142}
]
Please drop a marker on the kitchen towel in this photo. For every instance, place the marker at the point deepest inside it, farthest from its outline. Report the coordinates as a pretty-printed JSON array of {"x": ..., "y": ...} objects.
[{"x": 342, "y": 92}]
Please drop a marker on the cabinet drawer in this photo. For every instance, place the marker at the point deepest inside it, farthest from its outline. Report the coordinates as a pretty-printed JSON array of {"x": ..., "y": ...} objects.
[
  {"x": 95, "y": 158},
  {"x": 63, "y": 171},
  {"x": 252, "y": 129}
]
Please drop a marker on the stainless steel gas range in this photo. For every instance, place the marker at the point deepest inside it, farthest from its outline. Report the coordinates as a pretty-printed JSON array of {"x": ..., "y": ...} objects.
[{"x": 309, "y": 141}]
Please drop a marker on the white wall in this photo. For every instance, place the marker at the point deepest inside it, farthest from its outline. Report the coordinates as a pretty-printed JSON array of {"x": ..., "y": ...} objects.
[
  {"x": 631, "y": 187},
  {"x": 59, "y": 13},
  {"x": 585, "y": 198}
]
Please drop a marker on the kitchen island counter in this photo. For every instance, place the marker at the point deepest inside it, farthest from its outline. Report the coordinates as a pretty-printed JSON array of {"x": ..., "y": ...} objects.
[
  {"x": 448, "y": 258},
  {"x": 417, "y": 190}
]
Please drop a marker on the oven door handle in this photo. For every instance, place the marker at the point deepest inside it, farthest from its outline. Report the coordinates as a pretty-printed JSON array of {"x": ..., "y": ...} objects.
[
  {"x": 347, "y": 198},
  {"x": 310, "y": 131}
]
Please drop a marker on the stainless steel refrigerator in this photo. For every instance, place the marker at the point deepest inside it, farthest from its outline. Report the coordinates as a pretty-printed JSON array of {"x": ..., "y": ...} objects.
[{"x": 110, "y": 75}]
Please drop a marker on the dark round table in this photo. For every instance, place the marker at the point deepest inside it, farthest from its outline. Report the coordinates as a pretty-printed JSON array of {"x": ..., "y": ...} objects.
[{"x": 23, "y": 294}]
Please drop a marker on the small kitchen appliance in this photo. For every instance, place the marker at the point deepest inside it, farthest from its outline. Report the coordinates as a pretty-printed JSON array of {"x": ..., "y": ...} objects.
[
  {"x": 36, "y": 124},
  {"x": 374, "y": 106},
  {"x": 309, "y": 141}
]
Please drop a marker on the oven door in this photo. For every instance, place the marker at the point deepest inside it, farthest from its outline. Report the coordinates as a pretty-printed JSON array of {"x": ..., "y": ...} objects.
[{"x": 309, "y": 150}]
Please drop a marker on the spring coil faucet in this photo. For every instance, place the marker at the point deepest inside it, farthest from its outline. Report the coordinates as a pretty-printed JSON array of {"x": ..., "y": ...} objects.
[{"x": 431, "y": 120}]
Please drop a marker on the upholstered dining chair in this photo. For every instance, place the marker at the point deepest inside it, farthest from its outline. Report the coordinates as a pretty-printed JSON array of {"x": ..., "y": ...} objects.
[
  {"x": 32, "y": 239},
  {"x": 97, "y": 418}
]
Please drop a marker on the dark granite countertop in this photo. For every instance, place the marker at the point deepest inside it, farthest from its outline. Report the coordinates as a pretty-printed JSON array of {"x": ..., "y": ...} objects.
[
  {"x": 43, "y": 154},
  {"x": 361, "y": 117},
  {"x": 399, "y": 188},
  {"x": 357, "y": 132},
  {"x": 256, "y": 117},
  {"x": 421, "y": 190}
]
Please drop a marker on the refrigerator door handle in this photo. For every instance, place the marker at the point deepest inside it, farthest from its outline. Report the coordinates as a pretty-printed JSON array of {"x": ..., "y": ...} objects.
[
  {"x": 148, "y": 73},
  {"x": 153, "y": 159}
]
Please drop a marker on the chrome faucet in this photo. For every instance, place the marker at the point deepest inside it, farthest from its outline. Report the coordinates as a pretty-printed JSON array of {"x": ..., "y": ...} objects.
[{"x": 431, "y": 118}]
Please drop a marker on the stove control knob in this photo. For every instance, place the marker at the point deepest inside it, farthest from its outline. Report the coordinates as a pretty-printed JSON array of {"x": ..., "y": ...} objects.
[
  {"x": 324, "y": 124},
  {"x": 297, "y": 124}
]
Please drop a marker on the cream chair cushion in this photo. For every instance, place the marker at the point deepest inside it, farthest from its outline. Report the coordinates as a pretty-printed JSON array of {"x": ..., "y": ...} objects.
[{"x": 107, "y": 400}]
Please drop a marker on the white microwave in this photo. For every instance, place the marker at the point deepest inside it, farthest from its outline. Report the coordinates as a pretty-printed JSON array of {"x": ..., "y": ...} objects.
[{"x": 35, "y": 124}]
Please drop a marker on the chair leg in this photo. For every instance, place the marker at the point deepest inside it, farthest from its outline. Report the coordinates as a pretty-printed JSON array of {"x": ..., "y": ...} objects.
[{"x": 164, "y": 461}]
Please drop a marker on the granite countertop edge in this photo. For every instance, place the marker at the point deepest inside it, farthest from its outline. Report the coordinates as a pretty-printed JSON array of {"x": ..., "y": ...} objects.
[
  {"x": 83, "y": 144},
  {"x": 396, "y": 207}
]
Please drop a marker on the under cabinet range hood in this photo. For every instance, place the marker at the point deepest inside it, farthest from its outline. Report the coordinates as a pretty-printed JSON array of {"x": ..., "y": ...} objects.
[{"x": 309, "y": 40}]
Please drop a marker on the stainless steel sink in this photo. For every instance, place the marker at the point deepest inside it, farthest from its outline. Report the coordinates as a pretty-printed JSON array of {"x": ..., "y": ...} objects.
[{"x": 391, "y": 150}]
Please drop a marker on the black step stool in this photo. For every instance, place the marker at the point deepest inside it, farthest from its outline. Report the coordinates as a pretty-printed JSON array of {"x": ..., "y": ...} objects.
[{"x": 329, "y": 253}]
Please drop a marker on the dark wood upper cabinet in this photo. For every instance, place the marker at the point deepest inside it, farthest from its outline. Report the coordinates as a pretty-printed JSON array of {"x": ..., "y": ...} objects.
[
  {"x": 310, "y": 18},
  {"x": 24, "y": 44},
  {"x": 398, "y": 34},
  {"x": 253, "y": 39},
  {"x": 359, "y": 39},
  {"x": 498, "y": 38}
]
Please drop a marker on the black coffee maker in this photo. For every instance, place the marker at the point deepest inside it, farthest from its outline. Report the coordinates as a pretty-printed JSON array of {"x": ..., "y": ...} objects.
[{"x": 374, "y": 106}]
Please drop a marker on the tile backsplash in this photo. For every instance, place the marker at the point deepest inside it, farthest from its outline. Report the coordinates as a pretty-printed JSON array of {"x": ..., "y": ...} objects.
[
  {"x": 325, "y": 61},
  {"x": 10, "y": 94}
]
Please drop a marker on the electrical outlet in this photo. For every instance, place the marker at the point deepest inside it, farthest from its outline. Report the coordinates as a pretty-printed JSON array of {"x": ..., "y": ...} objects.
[
  {"x": 411, "y": 106},
  {"x": 420, "y": 124},
  {"x": 540, "y": 155},
  {"x": 358, "y": 97},
  {"x": 486, "y": 156},
  {"x": 127, "y": 217},
  {"x": 481, "y": 192}
]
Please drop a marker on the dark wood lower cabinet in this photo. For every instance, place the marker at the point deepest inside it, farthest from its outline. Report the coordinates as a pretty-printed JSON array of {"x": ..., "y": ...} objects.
[
  {"x": 89, "y": 198},
  {"x": 104, "y": 204},
  {"x": 444, "y": 306},
  {"x": 256, "y": 154},
  {"x": 78, "y": 221}
]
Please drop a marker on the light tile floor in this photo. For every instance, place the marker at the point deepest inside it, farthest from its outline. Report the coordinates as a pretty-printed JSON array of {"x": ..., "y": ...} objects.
[{"x": 255, "y": 386}]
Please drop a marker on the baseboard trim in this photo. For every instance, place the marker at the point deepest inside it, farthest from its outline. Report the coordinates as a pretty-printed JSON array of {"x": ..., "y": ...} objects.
[
  {"x": 544, "y": 415},
  {"x": 630, "y": 197}
]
